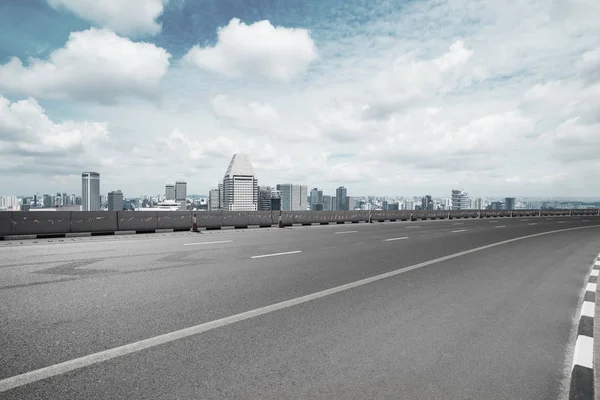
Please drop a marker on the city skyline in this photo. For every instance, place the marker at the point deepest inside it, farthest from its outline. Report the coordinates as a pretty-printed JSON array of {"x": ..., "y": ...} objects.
[{"x": 382, "y": 111}]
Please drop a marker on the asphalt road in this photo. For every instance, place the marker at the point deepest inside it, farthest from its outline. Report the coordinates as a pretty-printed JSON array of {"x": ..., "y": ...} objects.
[{"x": 496, "y": 323}]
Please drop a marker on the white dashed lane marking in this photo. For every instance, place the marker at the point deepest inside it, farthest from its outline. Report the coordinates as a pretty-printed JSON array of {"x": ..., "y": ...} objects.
[
  {"x": 459, "y": 230},
  {"x": 398, "y": 238},
  {"x": 344, "y": 232},
  {"x": 277, "y": 254}
]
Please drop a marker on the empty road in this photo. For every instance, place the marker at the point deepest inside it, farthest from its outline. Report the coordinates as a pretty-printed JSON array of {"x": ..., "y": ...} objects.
[{"x": 455, "y": 309}]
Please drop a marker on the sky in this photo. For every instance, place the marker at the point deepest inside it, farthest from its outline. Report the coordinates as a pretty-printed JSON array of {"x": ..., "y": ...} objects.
[{"x": 498, "y": 97}]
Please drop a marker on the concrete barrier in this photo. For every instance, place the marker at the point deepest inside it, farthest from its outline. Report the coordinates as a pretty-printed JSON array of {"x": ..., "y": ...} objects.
[
  {"x": 209, "y": 219},
  {"x": 262, "y": 218},
  {"x": 139, "y": 221},
  {"x": 238, "y": 219},
  {"x": 94, "y": 221},
  {"x": 177, "y": 220},
  {"x": 59, "y": 222},
  {"x": 40, "y": 222},
  {"x": 5, "y": 223}
]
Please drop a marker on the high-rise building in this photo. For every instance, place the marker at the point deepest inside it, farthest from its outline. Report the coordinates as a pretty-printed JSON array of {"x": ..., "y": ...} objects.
[
  {"x": 240, "y": 186},
  {"x": 460, "y": 199},
  {"x": 47, "y": 201},
  {"x": 275, "y": 200},
  {"x": 509, "y": 203},
  {"x": 264, "y": 198},
  {"x": 221, "y": 196},
  {"x": 341, "y": 195},
  {"x": 115, "y": 201},
  {"x": 293, "y": 197},
  {"x": 316, "y": 199},
  {"x": 213, "y": 199},
  {"x": 480, "y": 203},
  {"x": 170, "y": 192},
  {"x": 90, "y": 191},
  {"x": 180, "y": 191},
  {"x": 393, "y": 206},
  {"x": 327, "y": 206}
]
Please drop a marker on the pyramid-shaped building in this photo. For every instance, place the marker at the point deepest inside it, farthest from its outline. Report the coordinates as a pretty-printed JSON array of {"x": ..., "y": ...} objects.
[{"x": 240, "y": 186}]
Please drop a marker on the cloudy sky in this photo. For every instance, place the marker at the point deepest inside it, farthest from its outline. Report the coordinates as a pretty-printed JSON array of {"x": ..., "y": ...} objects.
[{"x": 499, "y": 97}]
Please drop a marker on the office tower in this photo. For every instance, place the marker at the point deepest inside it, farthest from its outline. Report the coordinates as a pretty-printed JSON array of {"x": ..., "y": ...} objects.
[
  {"x": 316, "y": 199},
  {"x": 240, "y": 186},
  {"x": 327, "y": 203},
  {"x": 293, "y": 197},
  {"x": 213, "y": 199},
  {"x": 90, "y": 191},
  {"x": 180, "y": 191},
  {"x": 509, "y": 202},
  {"x": 115, "y": 201},
  {"x": 341, "y": 195},
  {"x": 264, "y": 198},
  {"x": 393, "y": 206},
  {"x": 221, "y": 196},
  {"x": 170, "y": 192},
  {"x": 460, "y": 199},
  {"x": 275, "y": 200}
]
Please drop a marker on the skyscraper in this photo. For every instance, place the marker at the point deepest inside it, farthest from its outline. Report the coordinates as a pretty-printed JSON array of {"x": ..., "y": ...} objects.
[
  {"x": 170, "y": 192},
  {"x": 240, "y": 186},
  {"x": 90, "y": 191},
  {"x": 180, "y": 191},
  {"x": 316, "y": 199},
  {"x": 341, "y": 195},
  {"x": 213, "y": 199},
  {"x": 293, "y": 197},
  {"x": 115, "y": 201},
  {"x": 509, "y": 202},
  {"x": 460, "y": 199}
]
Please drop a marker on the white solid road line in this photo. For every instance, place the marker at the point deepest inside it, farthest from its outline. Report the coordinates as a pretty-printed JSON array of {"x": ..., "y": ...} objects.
[
  {"x": 594, "y": 272},
  {"x": 277, "y": 254},
  {"x": 398, "y": 238},
  {"x": 590, "y": 287},
  {"x": 587, "y": 309},
  {"x": 201, "y": 243},
  {"x": 344, "y": 232},
  {"x": 95, "y": 358},
  {"x": 460, "y": 230},
  {"x": 584, "y": 348}
]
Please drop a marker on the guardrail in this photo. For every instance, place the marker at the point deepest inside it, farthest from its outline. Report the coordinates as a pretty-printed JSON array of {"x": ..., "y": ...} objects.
[{"x": 108, "y": 222}]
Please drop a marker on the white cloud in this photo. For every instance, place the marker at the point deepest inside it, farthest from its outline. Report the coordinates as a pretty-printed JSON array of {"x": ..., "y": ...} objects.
[
  {"x": 256, "y": 50},
  {"x": 94, "y": 65},
  {"x": 501, "y": 99},
  {"x": 29, "y": 140},
  {"x": 127, "y": 17}
]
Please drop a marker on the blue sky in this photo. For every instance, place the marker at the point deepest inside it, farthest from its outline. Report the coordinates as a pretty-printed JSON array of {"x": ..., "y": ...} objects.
[{"x": 500, "y": 98}]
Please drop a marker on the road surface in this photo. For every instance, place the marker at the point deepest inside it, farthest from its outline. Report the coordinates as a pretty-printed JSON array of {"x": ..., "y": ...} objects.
[{"x": 493, "y": 323}]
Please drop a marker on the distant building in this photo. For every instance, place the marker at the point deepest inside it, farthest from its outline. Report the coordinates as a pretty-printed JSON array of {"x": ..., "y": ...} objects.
[
  {"x": 509, "y": 203},
  {"x": 293, "y": 197},
  {"x": 115, "y": 201},
  {"x": 460, "y": 200},
  {"x": 180, "y": 191},
  {"x": 214, "y": 197},
  {"x": 240, "y": 186},
  {"x": 275, "y": 200},
  {"x": 341, "y": 195},
  {"x": 316, "y": 199},
  {"x": 327, "y": 204},
  {"x": 264, "y": 198},
  {"x": 170, "y": 192},
  {"x": 90, "y": 191},
  {"x": 393, "y": 206}
]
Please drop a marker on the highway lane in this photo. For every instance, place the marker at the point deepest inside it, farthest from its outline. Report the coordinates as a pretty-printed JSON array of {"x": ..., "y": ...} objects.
[
  {"x": 103, "y": 311},
  {"x": 20, "y": 262}
]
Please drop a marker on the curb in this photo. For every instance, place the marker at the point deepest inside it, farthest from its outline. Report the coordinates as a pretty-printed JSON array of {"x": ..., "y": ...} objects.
[{"x": 582, "y": 373}]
